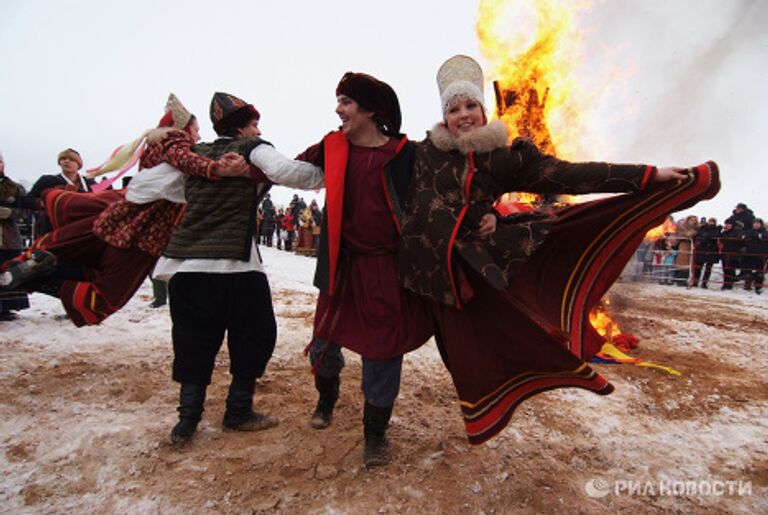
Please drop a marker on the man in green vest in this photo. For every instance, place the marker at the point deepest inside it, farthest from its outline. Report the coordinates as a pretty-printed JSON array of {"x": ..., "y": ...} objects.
[{"x": 217, "y": 283}]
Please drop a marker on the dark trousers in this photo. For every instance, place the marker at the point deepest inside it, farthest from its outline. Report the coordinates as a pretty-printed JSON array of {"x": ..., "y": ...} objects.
[
  {"x": 12, "y": 299},
  {"x": 289, "y": 241},
  {"x": 680, "y": 276},
  {"x": 381, "y": 378},
  {"x": 753, "y": 270},
  {"x": 697, "y": 273},
  {"x": 757, "y": 277},
  {"x": 729, "y": 271},
  {"x": 160, "y": 291},
  {"x": 206, "y": 306}
]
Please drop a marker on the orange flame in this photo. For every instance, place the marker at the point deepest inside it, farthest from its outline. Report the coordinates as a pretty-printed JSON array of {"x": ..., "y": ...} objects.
[
  {"x": 657, "y": 232},
  {"x": 520, "y": 197},
  {"x": 532, "y": 48},
  {"x": 602, "y": 322}
]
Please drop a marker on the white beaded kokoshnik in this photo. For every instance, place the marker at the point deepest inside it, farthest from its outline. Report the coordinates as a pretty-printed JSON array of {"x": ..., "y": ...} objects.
[{"x": 460, "y": 76}]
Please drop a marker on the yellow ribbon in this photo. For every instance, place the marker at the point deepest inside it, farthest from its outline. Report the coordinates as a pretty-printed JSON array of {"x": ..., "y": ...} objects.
[{"x": 610, "y": 352}]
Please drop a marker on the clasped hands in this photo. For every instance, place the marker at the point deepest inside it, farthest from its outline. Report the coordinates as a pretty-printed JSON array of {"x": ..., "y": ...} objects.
[{"x": 233, "y": 164}]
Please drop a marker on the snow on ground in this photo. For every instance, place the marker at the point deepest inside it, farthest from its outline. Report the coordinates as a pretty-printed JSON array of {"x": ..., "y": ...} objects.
[{"x": 84, "y": 417}]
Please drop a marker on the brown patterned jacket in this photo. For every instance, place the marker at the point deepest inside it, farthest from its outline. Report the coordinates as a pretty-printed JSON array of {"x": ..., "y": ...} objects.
[
  {"x": 456, "y": 180},
  {"x": 10, "y": 193}
]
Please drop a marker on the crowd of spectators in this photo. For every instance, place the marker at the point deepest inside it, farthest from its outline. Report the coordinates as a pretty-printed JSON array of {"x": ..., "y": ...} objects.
[
  {"x": 294, "y": 229},
  {"x": 685, "y": 253}
]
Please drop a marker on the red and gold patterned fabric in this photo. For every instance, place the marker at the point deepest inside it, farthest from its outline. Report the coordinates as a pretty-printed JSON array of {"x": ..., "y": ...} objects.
[
  {"x": 148, "y": 226},
  {"x": 110, "y": 276}
]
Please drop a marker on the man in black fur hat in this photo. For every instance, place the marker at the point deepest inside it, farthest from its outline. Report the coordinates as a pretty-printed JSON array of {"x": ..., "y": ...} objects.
[
  {"x": 367, "y": 166},
  {"x": 366, "y": 170}
]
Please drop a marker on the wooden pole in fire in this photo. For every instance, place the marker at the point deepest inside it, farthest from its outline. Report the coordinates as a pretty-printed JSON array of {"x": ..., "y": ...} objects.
[
  {"x": 533, "y": 126},
  {"x": 499, "y": 101}
]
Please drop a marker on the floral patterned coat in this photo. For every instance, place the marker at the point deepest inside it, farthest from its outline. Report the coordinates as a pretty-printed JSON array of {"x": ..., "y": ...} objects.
[
  {"x": 456, "y": 181},
  {"x": 125, "y": 224}
]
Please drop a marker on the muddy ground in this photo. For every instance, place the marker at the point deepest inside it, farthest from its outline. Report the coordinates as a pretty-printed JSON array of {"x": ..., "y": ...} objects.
[{"x": 85, "y": 416}]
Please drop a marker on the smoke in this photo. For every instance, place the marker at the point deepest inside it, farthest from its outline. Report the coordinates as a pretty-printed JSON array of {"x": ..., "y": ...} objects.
[
  {"x": 701, "y": 95},
  {"x": 619, "y": 302},
  {"x": 692, "y": 88}
]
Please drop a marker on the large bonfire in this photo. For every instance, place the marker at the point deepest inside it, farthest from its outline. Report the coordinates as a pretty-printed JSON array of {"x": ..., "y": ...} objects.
[{"x": 531, "y": 49}]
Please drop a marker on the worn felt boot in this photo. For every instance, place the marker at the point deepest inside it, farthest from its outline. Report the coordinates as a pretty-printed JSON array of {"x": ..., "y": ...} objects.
[
  {"x": 38, "y": 264},
  {"x": 328, "y": 387},
  {"x": 375, "y": 422},
  {"x": 191, "y": 401},
  {"x": 240, "y": 415}
]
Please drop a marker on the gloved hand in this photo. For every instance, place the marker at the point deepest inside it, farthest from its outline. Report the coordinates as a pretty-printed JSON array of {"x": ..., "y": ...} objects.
[{"x": 5, "y": 213}]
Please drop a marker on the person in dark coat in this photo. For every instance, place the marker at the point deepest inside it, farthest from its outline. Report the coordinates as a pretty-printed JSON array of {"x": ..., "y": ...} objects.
[
  {"x": 730, "y": 244},
  {"x": 317, "y": 219},
  {"x": 293, "y": 206},
  {"x": 755, "y": 251},
  {"x": 11, "y": 242},
  {"x": 706, "y": 250},
  {"x": 743, "y": 214},
  {"x": 69, "y": 179},
  {"x": 268, "y": 221}
]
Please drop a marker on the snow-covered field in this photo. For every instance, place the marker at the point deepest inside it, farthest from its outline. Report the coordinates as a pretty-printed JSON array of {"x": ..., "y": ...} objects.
[{"x": 85, "y": 413}]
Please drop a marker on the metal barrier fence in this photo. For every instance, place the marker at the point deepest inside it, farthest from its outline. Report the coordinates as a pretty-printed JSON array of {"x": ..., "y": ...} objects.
[{"x": 687, "y": 266}]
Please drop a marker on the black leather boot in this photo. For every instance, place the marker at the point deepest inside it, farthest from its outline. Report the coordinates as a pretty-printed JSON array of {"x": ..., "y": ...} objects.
[
  {"x": 240, "y": 415},
  {"x": 375, "y": 422},
  {"x": 191, "y": 401},
  {"x": 39, "y": 263},
  {"x": 328, "y": 387}
]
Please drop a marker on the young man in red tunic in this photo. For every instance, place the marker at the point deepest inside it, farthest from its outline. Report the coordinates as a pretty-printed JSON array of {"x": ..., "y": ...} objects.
[{"x": 367, "y": 166}]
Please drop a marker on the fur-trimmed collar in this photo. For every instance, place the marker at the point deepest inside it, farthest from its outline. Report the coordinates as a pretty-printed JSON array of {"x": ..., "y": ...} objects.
[{"x": 486, "y": 138}]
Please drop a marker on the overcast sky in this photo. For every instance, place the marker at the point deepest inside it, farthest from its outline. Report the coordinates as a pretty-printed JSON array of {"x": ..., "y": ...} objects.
[{"x": 94, "y": 74}]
